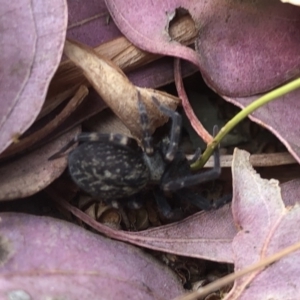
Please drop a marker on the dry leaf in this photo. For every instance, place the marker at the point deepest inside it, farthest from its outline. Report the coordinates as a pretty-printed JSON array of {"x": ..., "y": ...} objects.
[
  {"x": 31, "y": 173},
  {"x": 116, "y": 90}
]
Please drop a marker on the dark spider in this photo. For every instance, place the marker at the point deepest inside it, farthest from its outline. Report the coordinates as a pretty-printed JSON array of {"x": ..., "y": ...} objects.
[{"x": 112, "y": 167}]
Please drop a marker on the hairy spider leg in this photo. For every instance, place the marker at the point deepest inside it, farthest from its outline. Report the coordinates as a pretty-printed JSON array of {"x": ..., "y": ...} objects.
[
  {"x": 164, "y": 207},
  {"x": 144, "y": 120},
  {"x": 175, "y": 129},
  {"x": 115, "y": 138},
  {"x": 191, "y": 180}
]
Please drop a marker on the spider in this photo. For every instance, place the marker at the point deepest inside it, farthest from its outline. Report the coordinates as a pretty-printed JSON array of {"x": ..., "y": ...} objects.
[{"x": 114, "y": 168}]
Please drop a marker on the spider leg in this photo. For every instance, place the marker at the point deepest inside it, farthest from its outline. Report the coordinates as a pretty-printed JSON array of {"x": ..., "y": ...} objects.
[
  {"x": 175, "y": 129},
  {"x": 164, "y": 207},
  {"x": 191, "y": 180},
  {"x": 115, "y": 138},
  {"x": 196, "y": 156},
  {"x": 201, "y": 202},
  {"x": 144, "y": 120}
]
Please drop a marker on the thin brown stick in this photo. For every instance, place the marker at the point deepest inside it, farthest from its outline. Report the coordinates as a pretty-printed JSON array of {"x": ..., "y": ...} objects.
[
  {"x": 258, "y": 160},
  {"x": 38, "y": 135},
  {"x": 231, "y": 277}
]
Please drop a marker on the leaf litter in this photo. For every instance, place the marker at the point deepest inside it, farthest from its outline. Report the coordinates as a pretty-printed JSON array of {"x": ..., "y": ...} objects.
[{"x": 257, "y": 226}]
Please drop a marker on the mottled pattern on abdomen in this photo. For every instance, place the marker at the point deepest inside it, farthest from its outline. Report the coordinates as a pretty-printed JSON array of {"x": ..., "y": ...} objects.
[{"x": 108, "y": 171}]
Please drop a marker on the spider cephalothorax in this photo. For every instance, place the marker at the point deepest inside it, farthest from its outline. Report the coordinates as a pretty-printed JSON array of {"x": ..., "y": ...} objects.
[{"x": 113, "y": 168}]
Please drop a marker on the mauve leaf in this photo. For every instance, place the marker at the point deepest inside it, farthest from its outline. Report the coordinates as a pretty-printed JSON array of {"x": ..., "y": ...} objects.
[
  {"x": 205, "y": 235},
  {"x": 32, "y": 39},
  {"x": 266, "y": 226},
  {"x": 234, "y": 44},
  {"x": 290, "y": 192},
  {"x": 159, "y": 73},
  {"x": 90, "y": 23},
  {"x": 46, "y": 258},
  {"x": 281, "y": 117},
  {"x": 242, "y": 37},
  {"x": 32, "y": 172},
  {"x": 146, "y": 23}
]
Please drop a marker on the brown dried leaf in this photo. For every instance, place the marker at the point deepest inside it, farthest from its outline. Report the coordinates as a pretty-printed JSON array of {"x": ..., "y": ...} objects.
[
  {"x": 106, "y": 122},
  {"x": 129, "y": 58},
  {"x": 116, "y": 90},
  {"x": 31, "y": 173}
]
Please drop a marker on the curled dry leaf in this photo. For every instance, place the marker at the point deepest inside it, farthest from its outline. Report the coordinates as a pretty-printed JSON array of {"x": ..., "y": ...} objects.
[
  {"x": 32, "y": 37},
  {"x": 44, "y": 258},
  {"x": 266, "y": 226},
  {"x": 116, "y": 90},
  {"x": 123, "y": 53},
  {"x": 38, "y": 135},
  {"x": 91, "y": 105},
  {"x": 31, "y": 173},
  {"x": 106, "y": 122},
  {"x": 206, "y": 235}
]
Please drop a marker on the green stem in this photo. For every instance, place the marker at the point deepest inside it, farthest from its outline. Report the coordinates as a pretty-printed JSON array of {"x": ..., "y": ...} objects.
[{"x": 273, "y": 95}]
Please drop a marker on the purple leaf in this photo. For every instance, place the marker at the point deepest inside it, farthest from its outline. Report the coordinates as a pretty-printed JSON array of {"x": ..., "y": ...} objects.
[
  {"x": 90, "y": 23},
  {"x": 290, "y": 192},
  {"x": 266, "y": 226},
  {"x": 46, "y": 258},
  {"x": 234, "y": 44},
  {"x": 32, "y": 39},
  {"x": 246, "y": 48},
  {"x": 206, "y": 235},
  {"x": 238, "y": 53},
  {"x": 146, "y": 24},
  {"x": 281, "y": 117}
]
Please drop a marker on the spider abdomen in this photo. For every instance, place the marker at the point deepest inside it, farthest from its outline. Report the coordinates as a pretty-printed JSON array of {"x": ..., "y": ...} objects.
[{"x": 108, "y": 171}]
